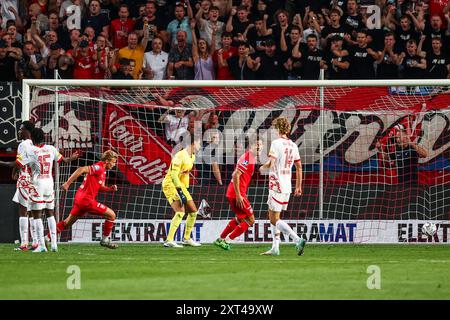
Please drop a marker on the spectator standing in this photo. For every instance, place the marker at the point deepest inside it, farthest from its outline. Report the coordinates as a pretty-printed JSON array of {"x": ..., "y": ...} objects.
[
  {"x": 238, "y": 22},
  {"x": 7, "y": 63},
  {"x": 413, "y": 65},
  {"x": 175, "y": 125},
  {"x": 97, "y": 20},
  {"x": 135, "y": 51},
  {"x": 389, "y": 59},
  {"x": 153, "y": 23},
  {"x": 338, "y": 60},
  {"x": 206, "y": 27},
  {"x": 438, "y": 63},
  {"x": 405, "y": 33},
  {"x": 312, "y": 59},
  {"x": 32, "y": 64},
  {"x": 181, "y": 22},
  {"x": 202, "y": 56},
  {"x": 269, "y": 65},
  {"x": 259, "y": 33},
  {"x": 362, "y": 58},
  {"x": 84, "y": 61},
  {"x": 180, "y": 59},
  {"x": 221, "y": 55},
  {"x": 242, "y": 65},
  {"x": 121, "y": 27},
  {"x": 53, "y": 58},
  {"x": 155, "y": 61}
]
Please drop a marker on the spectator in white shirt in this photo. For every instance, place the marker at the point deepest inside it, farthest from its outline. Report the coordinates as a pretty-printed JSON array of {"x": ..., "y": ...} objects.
[
  {"x": 155, "y": 61},
  {"x": 176, "y": 125}
]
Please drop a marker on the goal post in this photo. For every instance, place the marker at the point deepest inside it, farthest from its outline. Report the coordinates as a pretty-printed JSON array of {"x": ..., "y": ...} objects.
[{"x": 370, "y": 187}]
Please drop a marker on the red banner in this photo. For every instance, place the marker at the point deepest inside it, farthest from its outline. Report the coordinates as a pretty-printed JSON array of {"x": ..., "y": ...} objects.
[{"x": 143, "y": 157}]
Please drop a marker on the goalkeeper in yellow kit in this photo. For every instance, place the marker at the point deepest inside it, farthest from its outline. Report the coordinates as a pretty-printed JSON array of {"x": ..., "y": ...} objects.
[{"x": 175, "y": 187}]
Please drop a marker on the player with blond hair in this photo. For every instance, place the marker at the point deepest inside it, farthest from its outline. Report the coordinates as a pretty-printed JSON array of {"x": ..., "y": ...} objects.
[
  {"x": 85, "y": 198},
  {"x": 283, "y": 154}
]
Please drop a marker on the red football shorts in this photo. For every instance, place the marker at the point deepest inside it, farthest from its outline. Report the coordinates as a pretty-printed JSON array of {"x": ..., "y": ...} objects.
[
  {"x": 80, "y": 208},
  {"x": 241, "y": 213}
]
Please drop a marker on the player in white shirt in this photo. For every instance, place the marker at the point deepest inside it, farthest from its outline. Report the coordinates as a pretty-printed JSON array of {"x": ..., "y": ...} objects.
[
  {"x": 21, "y": 197},
  {"x": 40, "y": 158},
  {"x": 283, "y": 155}
]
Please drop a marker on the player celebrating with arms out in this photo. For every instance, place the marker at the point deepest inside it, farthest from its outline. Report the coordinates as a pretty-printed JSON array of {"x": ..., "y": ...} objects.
[
  {"x": 283, "y": 153},
  {"x": 237, "y": 196},
  {"x": 175, "y": 187},
  {"x": 85, "y": 198}
]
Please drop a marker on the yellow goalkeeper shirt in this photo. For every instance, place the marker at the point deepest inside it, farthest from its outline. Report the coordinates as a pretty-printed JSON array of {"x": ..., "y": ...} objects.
[{"x": 178, "y": 173}]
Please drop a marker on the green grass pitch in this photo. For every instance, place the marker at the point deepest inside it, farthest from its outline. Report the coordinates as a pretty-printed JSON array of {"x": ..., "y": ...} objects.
[{"x": 154, "y": 272}]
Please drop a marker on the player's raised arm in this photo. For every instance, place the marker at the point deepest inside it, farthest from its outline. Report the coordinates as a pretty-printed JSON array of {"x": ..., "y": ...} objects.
[{"x": 80, "y": 171}]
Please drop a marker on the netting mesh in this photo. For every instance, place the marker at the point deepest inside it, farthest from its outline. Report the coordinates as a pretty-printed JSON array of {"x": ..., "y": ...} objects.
[{"x": 369, "y": 176}]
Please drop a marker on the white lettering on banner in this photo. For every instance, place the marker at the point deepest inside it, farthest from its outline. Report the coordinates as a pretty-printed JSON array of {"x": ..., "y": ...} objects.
[
  {"x": 140, "y": 163},
  {"x": 339, "y": 127},
  {"x": 320, "y": 231},
  {"x": 128, "y": 135},
  {"x": 122, "y": 135}
]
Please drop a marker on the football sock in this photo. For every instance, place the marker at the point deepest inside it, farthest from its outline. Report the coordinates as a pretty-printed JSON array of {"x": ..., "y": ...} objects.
[
  {"x": 240, "y": 229},
  {"x": 176, "y": 220},
  {"x": 229, "y": 228},
  {"x": 40, "y": 232},
  {"x": 107, "y": 227},
  {"x": 190, "y": 222},
  {"x": 276, "y": 237},
  {"x": 23, "y": 227},
  {"x": 286, "y": 229},
  {"x": 33, "y": 231},
  {"x": 52, "y": 228}
]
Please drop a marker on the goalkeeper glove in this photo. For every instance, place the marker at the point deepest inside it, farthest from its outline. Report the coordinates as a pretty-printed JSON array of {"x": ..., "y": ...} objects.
[{"x": 182, "y": 196}]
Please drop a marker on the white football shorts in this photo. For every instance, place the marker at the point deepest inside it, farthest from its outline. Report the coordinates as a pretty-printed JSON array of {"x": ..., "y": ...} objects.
[{"x": 278, "y": 201}]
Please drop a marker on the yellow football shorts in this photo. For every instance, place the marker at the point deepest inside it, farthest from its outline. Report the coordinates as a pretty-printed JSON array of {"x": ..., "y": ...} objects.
[{"x": 171, "y": 193}]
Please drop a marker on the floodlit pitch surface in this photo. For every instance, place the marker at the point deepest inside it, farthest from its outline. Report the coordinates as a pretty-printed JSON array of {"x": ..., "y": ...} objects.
[{"x": 154, "y": 272}]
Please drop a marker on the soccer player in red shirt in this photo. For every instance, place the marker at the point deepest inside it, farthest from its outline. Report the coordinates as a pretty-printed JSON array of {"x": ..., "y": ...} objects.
[
  {"x": 85, "y": 198},
  {"x": 237, "y": 196}
]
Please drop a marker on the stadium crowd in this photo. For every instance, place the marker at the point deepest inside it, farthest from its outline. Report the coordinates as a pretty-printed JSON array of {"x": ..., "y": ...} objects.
[{"x": 224, "y": 39}]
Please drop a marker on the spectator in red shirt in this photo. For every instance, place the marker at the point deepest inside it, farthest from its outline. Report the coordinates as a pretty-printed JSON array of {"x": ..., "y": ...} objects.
[
  {"x": 84, "y": 61},
  {"x": 220, "y": 57},
  {"x": 121, "y": 27}
]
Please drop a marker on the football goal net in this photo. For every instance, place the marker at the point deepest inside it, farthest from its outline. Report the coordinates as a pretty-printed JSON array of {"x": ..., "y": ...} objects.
[{"x": 375, "y": 154}]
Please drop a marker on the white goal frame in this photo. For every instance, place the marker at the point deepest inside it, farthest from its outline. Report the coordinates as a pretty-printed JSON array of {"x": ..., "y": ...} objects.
[{"x": 319, "y": 84}]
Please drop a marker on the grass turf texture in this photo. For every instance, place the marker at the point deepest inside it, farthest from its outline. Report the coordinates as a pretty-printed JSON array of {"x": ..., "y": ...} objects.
[{"x": 207, "y": 272}]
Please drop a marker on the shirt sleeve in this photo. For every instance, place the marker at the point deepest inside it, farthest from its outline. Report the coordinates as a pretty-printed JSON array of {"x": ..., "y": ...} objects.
[
  {"x": 243, "y": 164},
  {"x": 58, "y": 156},
  {"x": 95, "y": 169},
  {"x": 22, "y": 158},
  {"x": 273, "y": 151}
]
